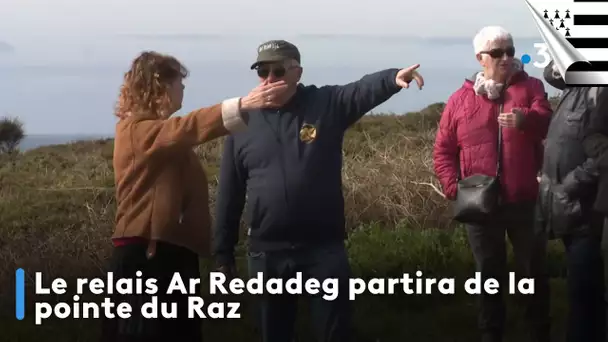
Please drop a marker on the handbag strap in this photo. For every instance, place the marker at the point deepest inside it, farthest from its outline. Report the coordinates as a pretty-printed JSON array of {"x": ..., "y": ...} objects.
[
  {"x": 498, "y": 147},
  {"x": 499, "y": 144}
]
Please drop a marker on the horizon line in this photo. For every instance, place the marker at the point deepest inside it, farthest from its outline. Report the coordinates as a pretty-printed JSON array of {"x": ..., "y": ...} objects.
[
  {"x": 257, "y": 35},
  {"x": 304, "y": 35}
]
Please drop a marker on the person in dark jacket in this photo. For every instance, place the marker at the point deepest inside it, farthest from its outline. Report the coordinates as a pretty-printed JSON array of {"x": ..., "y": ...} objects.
[
  {"x": 566, "y": 195},
  {"x": 596, "y": 146},
  {"x": 289, "y": 165}
]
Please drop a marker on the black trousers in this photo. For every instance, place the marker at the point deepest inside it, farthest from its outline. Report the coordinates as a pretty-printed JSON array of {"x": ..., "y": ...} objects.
[
  {"x": 167, "y": 261},
  {"x": 604, "y": 251},
  {"x": 488, "y": 244},
  {"x": 276, "y": 314},
  {"x": 587, "y": 314}
]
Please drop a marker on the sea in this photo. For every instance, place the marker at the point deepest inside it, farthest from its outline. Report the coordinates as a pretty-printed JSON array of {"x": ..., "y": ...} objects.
[
  {"x": 65, "y": 89},
  {"x": 30, "y": 142}
]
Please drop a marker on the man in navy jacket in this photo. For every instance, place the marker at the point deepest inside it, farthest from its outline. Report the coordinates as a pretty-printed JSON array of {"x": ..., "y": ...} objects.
[{"x": 288, "y": 164}]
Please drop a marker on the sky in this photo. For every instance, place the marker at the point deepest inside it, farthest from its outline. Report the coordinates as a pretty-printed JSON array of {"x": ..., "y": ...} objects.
[
  {"x": 61, "y": 61},
  {"x": 378, "y": 17}
]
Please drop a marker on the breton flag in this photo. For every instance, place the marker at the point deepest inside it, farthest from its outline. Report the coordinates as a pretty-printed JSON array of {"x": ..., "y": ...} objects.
[{"x": 576, "y": 34}]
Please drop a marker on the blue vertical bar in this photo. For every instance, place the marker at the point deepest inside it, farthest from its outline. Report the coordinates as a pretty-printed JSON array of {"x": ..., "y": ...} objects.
[{"x": 20, "y": 293}]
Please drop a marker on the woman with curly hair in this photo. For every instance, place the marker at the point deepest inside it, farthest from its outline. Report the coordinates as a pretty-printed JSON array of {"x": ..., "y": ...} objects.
[{"x": 162, "y": 217}]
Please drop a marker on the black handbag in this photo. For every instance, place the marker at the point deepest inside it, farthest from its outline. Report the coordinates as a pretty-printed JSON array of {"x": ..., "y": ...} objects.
[{"x": 478, "y": 195}]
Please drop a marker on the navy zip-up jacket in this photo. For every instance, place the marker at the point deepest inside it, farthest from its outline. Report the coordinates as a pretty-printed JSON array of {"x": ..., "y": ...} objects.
[{"x": 293, "y": 184}]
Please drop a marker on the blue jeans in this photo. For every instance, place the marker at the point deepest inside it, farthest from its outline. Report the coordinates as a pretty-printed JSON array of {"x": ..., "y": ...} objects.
[
  {"x": 276, "y": 314},
  {"x": 587, "y": 316}
]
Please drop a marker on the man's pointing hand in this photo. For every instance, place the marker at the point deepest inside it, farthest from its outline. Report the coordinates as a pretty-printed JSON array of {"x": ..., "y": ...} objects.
[{"x": 407, "y": 75}]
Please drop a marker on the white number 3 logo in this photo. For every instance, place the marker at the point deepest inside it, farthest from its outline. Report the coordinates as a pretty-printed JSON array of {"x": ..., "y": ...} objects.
[{"x": 544, "y": 52}]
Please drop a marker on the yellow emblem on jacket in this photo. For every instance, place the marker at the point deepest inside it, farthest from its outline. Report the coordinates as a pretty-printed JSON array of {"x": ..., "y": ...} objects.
[{"x": 308, "y": 133}]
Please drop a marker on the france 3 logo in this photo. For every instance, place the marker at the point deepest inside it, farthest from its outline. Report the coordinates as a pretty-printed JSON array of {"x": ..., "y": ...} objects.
[
  {"x": 575, "y": 35},
  {"x": 542, "y": 50}
]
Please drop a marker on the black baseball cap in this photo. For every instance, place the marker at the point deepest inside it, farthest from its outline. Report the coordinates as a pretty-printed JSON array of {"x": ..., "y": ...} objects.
[{"x": 276, "y": 51}]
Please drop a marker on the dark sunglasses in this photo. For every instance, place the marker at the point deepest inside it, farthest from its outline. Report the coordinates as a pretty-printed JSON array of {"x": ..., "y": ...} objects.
[
  {"x": 498, "y": 53},
  {"x": 265, "y": 71}
]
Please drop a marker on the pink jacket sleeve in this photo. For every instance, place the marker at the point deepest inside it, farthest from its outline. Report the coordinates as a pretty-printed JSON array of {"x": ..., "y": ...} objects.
[
  {"x": 445, "y": 152},
  {"x": 538, "y": 115}
]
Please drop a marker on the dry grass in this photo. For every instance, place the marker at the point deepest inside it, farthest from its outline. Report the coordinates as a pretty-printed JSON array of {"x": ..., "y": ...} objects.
[{"x": 57, "y": 205}]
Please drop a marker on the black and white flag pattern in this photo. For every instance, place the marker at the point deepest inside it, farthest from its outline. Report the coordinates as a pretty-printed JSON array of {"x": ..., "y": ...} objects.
[{"x": 581, "y": 28}]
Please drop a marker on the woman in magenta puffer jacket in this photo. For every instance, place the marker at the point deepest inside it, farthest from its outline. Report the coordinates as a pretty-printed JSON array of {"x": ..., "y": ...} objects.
[{"x": 466, "y": 144}]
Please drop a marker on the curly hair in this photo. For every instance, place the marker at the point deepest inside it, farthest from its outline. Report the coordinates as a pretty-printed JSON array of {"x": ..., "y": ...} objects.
[{"x": 145, "y": 88}]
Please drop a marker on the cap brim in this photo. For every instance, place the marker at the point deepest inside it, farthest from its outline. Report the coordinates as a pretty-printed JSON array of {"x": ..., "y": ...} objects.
[{"x": 268, "y": 60}]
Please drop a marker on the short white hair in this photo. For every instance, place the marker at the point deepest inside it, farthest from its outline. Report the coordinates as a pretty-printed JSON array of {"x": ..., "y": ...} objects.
[{"x": 488, "y": 35}]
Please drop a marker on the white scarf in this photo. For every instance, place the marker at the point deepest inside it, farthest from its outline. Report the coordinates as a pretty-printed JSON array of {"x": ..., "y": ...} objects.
[{"x": 489, "y": 87}]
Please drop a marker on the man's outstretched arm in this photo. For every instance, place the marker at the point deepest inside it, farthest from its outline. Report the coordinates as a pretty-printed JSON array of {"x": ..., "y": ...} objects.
[
  {"x": 229, "y": 205},
  {"x": 353, "y": 100}
]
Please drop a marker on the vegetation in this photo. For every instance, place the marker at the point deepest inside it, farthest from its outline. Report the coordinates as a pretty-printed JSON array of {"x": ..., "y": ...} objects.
[
  {"x": 57, "y": 211},
  {"x": 11, "y": 134}
]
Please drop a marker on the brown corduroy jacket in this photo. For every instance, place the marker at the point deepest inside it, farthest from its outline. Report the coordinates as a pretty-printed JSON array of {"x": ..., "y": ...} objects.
[{"x": 161, "y": 187}]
